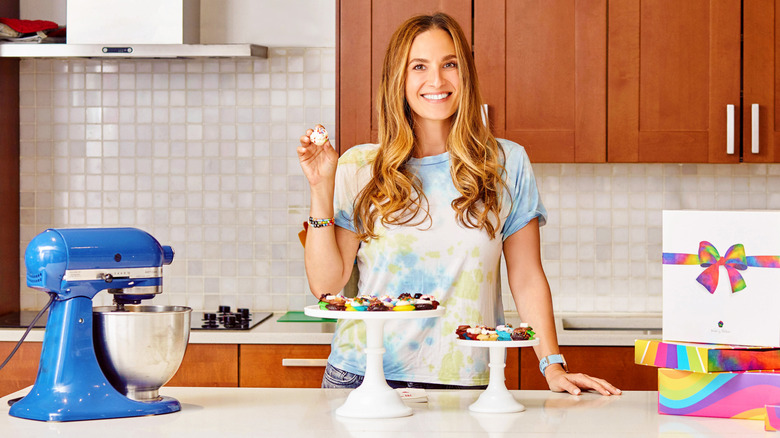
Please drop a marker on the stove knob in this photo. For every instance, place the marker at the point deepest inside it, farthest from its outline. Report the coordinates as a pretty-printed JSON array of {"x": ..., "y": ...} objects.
[
  {"x": 224, "y": 309},
  {"x": 210, "y": 321}
]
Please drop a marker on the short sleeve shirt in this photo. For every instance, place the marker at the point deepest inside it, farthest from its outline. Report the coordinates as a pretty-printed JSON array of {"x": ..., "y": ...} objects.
[{"x": 459, "y": 266}]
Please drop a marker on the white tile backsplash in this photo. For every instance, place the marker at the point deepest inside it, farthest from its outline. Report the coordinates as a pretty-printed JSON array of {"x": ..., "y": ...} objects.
[{"x": 200, "y": 153}]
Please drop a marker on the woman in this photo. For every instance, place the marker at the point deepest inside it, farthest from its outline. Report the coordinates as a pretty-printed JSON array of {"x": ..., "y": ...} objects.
[{"x": 429, "y": 210}]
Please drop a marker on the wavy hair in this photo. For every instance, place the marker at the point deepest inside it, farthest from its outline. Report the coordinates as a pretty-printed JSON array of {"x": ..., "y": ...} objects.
[{"x": 394, "y": 194}]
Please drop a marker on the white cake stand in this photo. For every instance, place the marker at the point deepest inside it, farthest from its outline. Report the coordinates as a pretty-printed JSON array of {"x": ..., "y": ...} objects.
[
  {"x": 496, "y": 398},
  {"x": 374, "y": 398}
]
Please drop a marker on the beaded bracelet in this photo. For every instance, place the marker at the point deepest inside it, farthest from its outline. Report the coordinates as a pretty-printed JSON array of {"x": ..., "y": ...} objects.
[{"x": 319, "y": 223}]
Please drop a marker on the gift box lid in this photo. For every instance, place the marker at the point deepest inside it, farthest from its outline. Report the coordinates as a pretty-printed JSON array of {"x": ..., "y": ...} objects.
[{"x": 704, "y": 358}]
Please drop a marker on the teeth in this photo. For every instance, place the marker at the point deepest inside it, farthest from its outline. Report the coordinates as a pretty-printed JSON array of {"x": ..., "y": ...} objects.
[{"x": 436, "y": 96}]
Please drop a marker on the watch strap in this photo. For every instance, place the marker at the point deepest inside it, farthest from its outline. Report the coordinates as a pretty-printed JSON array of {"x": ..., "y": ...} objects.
[{"x": 552, "y": 359}]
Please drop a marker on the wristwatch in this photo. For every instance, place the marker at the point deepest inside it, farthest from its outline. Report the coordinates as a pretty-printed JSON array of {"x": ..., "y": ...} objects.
[{"x": 551, "y": 359}]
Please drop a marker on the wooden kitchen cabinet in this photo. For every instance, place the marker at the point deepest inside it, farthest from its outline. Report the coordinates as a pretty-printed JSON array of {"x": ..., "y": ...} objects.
[
  {"x": 614, "y": 364},
  {"x": 542, "y": 68},
  {"x": 283, "y": 365},
  {"x": 9, "y": 174},
  {"x": 540, "y": 91},
  {"x": 21, "y": 370},
  {"x": 224, "y": 365},
  {"x": 203, "y": 365},
  {"x": 595, "y": 80},
  {"x": 673, "y": 69},
  {"x": 302, "y": 366},
  {"x": 208, "y": 365},
  {"x": 761, "y": 80}
]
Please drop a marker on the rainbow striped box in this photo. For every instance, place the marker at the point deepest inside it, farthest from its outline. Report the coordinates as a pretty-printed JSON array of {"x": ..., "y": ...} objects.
[
  {"x": 741, "y": 394},
  {"x": 704, "y": 358}
]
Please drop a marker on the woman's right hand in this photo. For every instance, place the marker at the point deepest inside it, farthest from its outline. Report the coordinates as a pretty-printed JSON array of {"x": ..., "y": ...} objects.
[{"x": 318, "y": 162}]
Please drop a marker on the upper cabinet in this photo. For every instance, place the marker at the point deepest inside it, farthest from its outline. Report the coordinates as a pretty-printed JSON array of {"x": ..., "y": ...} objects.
[
  {"x": 692, "y": 81},
  {"x": 596, "y": 80},
  {"x": 674, "y": 74},
  {"x": 542, "y": 68},
  {"x": 761, "y": 80}
]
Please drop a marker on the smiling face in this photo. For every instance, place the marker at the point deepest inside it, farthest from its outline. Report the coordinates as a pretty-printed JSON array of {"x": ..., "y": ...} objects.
[{"x": 432, "y": 82}]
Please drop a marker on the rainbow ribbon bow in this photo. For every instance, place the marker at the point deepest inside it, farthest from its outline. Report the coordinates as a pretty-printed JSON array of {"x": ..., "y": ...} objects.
[{"x": 734, "y": 261}]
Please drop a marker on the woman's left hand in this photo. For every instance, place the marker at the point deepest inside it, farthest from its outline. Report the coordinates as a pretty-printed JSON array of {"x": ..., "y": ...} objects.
[{"x": 573, "y": 383}]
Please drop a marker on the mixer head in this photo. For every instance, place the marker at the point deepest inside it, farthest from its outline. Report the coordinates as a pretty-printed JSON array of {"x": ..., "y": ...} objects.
[{"x": 83, "y": 261}]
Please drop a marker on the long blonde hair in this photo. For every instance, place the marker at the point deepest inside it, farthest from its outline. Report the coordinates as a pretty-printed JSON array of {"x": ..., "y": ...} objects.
[{"x": 394, "y": 194}]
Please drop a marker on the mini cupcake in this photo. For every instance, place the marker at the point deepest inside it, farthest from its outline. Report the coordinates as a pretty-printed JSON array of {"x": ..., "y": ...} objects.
[
  {"x": 376, "y": 305},
  {"x": 388, "y": 301},
  {"x": 333, "y": 302},
  {"x": 523, "y": 333},
  {"x": 405, "y": 302},
  {"x": 425, "y": 302},
  {"x": 359, "y": 304}
]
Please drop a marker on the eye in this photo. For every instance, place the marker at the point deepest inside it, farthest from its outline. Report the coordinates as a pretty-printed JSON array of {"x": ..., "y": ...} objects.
[
  {"x": 451, "y": 64},
  {"x": 418, "y": 67}
]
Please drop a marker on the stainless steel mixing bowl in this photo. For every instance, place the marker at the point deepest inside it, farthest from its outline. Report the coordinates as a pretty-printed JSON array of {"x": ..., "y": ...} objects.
[{"x": 140, "y": 349}]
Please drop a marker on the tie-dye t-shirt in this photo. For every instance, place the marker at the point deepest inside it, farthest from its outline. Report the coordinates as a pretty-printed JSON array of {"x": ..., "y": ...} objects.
[{"x": 458, "y": 265}]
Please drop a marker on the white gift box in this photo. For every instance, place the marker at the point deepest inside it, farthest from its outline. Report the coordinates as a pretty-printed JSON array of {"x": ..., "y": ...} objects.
[{"x": 721, "y": 277}]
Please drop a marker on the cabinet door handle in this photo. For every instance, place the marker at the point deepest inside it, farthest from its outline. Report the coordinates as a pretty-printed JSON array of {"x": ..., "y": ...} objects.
[
  {"x": 754, "y": 130},
  {"x": 730, "y": 129},
  {"x": 304, "y": 362},
  {"x": 485, "y": 118}
]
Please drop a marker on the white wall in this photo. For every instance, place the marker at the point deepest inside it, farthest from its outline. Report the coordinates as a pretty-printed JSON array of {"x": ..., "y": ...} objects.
[
  {"x": 51, "y": 10},
  {"x": 272, "y": 23}
]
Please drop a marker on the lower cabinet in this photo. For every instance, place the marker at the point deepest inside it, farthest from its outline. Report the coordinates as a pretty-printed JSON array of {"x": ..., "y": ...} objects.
[
  {"x": 302, "y": 366},
  {"x": 208, "y": 365},
  {"x": 203, "y": 365},
  {"x": 282, "y": 365},
  {"x": 21, "y": 370},
  {"x": 614, "y": 364},
  {"x": 512, "y": 370}
]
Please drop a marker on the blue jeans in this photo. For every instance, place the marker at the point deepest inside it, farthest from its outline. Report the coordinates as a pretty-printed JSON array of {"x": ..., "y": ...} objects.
[{"x": 336, "y": 378}]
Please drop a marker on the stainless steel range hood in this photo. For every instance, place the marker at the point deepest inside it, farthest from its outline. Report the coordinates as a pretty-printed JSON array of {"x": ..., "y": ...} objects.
[
  {"x": 138, "y": 51},
  {"x": 141, "y": 29}
]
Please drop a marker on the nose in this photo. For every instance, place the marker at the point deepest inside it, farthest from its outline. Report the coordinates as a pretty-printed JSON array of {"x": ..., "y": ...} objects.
[{"x": 436, "y": 77}]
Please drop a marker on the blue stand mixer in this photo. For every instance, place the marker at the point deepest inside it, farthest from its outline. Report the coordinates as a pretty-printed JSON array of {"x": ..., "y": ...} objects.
[{"x": 74, "y": 265}]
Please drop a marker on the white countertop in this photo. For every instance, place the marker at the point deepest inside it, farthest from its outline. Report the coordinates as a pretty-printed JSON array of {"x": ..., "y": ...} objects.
[
  {"x": 272, "y": 332},
  {"x": 276, "y": 412}
]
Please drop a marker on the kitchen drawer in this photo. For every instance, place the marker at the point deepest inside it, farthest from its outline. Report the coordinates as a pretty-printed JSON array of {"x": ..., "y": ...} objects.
[
  {"x": 208, "y": 365},
  {"x": 282, "y": 365},
  {"x": 21, "y": 370}
]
